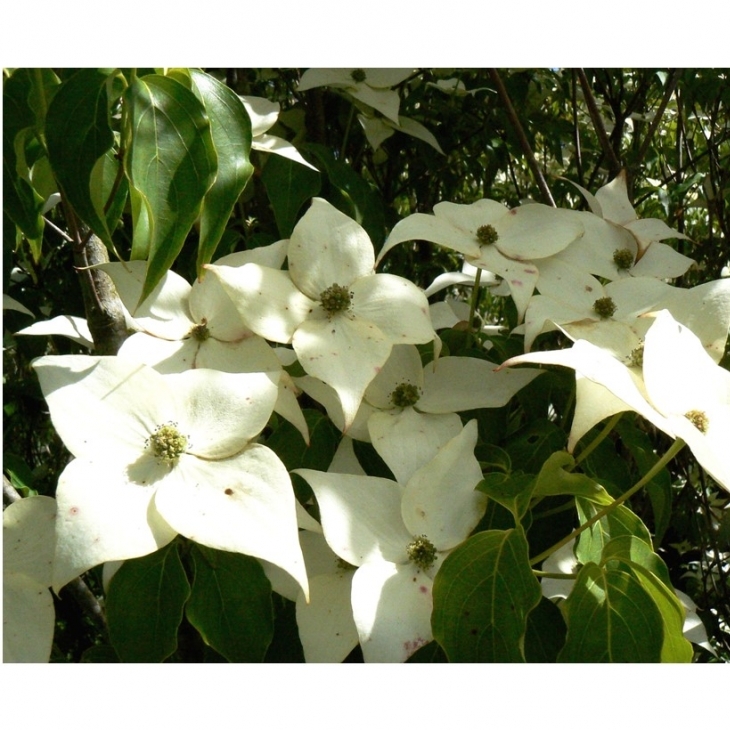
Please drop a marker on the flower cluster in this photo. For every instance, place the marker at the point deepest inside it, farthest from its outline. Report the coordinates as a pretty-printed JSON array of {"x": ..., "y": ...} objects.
[{"x": 169, "y": 436}]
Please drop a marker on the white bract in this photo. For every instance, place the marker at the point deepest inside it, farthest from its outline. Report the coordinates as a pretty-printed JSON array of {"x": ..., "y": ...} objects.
[
  {"x": 371, "y": 86},
  {"x": 263, "y": 114},
  {"x": 673, "y": 382},
  {"x": 341, "y": 318},
  {"x": 157, "y": 455},
  {"x": 495, "y": 238},
  {"x": 612, "y": 204},
  {"x": 184, "y": 326},
  {"x": 397, "y": 537},
  {"x": 29, "y": 616}
]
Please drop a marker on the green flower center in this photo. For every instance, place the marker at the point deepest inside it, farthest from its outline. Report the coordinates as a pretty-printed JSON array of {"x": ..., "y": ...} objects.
[
  {"x": 604, "y": 307},
  {"x": 405, "y": 395},
  {"x": 699, "y": 420},
  {"x": 168, "y": 443},
  {"x": 335, "y": 299},
  {"x": 200, "y": 331},
  {"x": 358, "y": 75},
  {"x": 421, "y": 552},
  {"x": 487, "y": 235},
  {"x": 623, "y": 258},
  {"x": 636, "y": 357}
]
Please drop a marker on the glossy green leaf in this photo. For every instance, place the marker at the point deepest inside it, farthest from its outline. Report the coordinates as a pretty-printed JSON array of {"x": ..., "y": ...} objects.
[
  {"x": 109, "y": 188},
  {"x": 482, "y": 595},
  {"x": 619, "y": 521},
  {"x": 638, "y": 552},
  {"x": 288, "y": 185},
  {"x": 231, "y": 130},
  {"x": 145, "y": 605},
  {"x": 21, "y": 203},
  {"x": 620, "y": 612},
  {"x": 78, "y": 133},
  {"x": 230, "y": 604},
  {"x": 170, "y": 163},
  {"x": 512, "y": 491}
]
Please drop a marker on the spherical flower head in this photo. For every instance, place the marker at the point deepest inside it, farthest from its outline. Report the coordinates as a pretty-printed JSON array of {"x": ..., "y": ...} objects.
[
  {"x": 168, "y": 444},
  {"x": 404, "y": 395},
  {"x": 336, "y": 299},
  {"x": 636, "y": 356},
  {"x": 623, "y": 258},
  {"x": 421, "y": 552},
  {"x": 200, "y": 331},
  {"x": 487, "y": 235},
  {"x": 699, "y": 420},
  {"x": 604, "y": 307}
]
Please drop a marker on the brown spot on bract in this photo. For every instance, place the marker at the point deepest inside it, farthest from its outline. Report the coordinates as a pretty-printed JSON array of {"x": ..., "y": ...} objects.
[{"x": 229, "y": 491}]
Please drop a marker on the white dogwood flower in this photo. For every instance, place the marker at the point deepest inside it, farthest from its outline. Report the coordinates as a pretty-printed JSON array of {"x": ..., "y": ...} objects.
[
  {"x": 161, "y": 455},
  {"x": 340, "y": 316},
  {"x": 397, "y": 537}
]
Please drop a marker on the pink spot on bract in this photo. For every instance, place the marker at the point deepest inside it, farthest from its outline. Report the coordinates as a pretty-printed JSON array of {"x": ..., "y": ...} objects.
[
  {"x": 412, "y": 646},
  {"x": 516, "y": 282},
  {"x": 423, "y": 589},
  {"x": 73, "y": 511}
]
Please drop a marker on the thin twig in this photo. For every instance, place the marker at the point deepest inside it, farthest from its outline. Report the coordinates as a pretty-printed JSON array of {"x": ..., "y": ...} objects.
[
  {"x": 608, "y": 150},
  {"x": 524, "y": 143},
  {"x": 671, "y": 85}
]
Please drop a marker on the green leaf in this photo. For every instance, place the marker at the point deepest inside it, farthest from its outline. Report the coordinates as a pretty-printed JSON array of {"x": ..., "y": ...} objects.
[
  {"x": 659, "y": 488},
  {"x": 619, "y": 521},
  {"x": 21, "y": 203},
  {"x": 633, "y": 550},
  {"x": 482, "y": 595},
  {"x": 545, "y": 634},
  {"x": 512, "y": 491},
  {"x": 230, "y": 604},
  {"x": 231, "y": 129},
  {"x": 170, "y": 163},
  {"x": 291, "y": 448},
  {"x": 492, "y": 458},
  {"x": 554, "y": 480},
  {"x": 652, "y": 573},
  {"x": 621, "y": 612},
  {"x": 533, "y": 444},
  {"x": 78, "y": 133},
  {"x": 145, "y": 605},
  {"x": 289, "y": 185}
]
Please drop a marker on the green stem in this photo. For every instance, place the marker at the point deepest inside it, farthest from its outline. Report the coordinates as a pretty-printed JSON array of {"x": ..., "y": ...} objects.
[
  {"x": 673, "y": 450},
  {"x": 596, "y": 441},
  {"x": 474, "y": 302},
  {"x": 347, "y": 132}
]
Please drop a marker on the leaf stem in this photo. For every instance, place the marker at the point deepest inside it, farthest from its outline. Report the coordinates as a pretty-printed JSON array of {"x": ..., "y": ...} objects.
[
  {"x": 596, "y": 441},
  {"x": 671, "y": 452}
]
